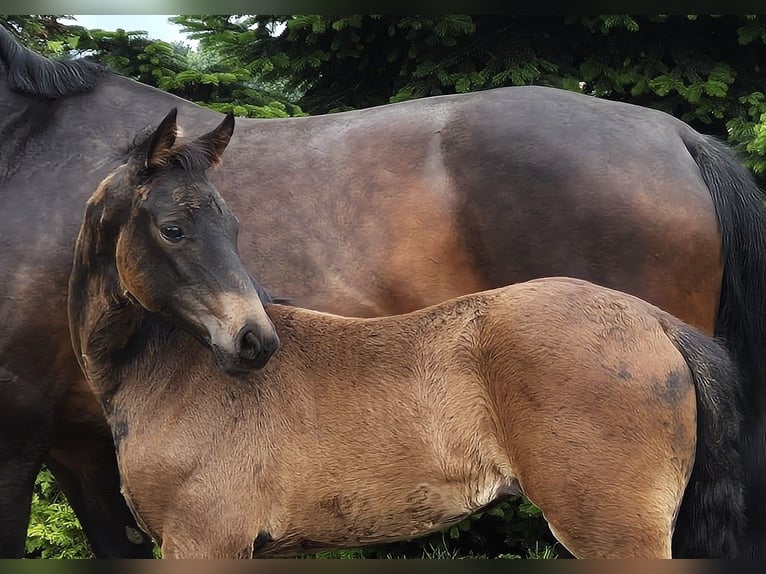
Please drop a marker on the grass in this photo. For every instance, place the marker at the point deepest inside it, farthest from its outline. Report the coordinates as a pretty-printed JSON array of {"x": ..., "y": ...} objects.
[{"x": 545, "y": 552}]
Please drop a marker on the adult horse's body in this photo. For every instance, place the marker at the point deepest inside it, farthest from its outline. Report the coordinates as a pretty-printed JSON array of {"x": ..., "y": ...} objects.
[
  {"x": 615, "y": 418},
  {"x": 367, "y": 213}
]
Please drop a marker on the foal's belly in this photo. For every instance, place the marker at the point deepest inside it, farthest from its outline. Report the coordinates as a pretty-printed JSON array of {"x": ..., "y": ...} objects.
[{"x": 372, "y": 514}]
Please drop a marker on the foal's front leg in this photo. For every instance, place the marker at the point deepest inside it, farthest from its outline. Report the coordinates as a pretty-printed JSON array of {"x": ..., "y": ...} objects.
[
  {"x": 179, "y": 545},
  {"x": 191, "y": 535}
]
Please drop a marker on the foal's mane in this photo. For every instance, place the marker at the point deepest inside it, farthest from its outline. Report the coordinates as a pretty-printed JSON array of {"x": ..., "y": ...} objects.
[{"x": 31, "y": 73}]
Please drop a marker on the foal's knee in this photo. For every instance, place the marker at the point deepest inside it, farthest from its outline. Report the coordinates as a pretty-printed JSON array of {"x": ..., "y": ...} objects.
[{"x": 184, "y": 547}]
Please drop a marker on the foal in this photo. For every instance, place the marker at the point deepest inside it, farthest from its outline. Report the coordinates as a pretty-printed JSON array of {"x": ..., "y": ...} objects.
[{"x": 606, "y": 412}]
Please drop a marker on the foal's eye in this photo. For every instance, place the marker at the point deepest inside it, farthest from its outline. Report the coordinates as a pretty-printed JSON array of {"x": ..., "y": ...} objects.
[{"x": 172, "y": 233}]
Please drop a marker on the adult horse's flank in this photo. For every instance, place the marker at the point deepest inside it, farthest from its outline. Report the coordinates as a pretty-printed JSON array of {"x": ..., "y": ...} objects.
[
  {"x": 598, "y": 406},
  {"x": 366, "y": 213}
]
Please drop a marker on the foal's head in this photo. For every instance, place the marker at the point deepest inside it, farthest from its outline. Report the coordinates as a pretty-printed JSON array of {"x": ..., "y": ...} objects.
[{"x": 175, "y": 245}]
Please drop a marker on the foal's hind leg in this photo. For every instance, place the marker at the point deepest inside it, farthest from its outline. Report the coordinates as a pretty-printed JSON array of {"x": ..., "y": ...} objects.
[
  {"x": 619, "y": 495},
  {"x": 605, "y": 533}
]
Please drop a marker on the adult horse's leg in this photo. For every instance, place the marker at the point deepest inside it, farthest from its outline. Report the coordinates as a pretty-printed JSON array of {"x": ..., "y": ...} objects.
[
  {"x": 24, "y": 439},
  {"x": 82, "y": 458},
  {"x": 94, "y": 494}
]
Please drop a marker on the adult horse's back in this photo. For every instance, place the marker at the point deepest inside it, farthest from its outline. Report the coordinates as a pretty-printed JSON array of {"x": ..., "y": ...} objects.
[{"x": 370, "y": 212}]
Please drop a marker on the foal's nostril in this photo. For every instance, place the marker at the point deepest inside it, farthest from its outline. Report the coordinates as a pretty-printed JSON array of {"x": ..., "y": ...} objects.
[{"x": 250, "y": 347}]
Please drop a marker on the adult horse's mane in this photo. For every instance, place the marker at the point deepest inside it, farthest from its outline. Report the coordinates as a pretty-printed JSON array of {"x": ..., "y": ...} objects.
[{"x": 31, "y": 73}]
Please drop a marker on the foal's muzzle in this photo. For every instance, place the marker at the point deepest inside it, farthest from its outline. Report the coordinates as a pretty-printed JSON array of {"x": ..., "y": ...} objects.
[
  {"x": 254, "y": 345},
  {"x": 255, "y": 350}
]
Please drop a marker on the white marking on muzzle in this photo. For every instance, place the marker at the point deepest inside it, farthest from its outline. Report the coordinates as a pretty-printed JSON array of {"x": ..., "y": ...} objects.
[{"x": 235, "y": 311}]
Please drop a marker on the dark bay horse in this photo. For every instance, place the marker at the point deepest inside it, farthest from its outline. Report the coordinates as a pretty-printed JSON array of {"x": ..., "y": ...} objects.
[
  {"x": 607, "y": 412},
  {"x": 366, "y": 213}
]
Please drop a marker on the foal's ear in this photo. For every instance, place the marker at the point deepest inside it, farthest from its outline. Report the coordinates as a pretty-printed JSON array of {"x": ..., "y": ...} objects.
[
  {"x": 214, "y": 142},
  {"x": 162, "y": 140}
]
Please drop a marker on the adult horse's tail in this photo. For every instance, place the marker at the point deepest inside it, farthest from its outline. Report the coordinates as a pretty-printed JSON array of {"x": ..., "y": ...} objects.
[
  {"x": 711, "y": 520},
  {"x": 741, "y": 320}
]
